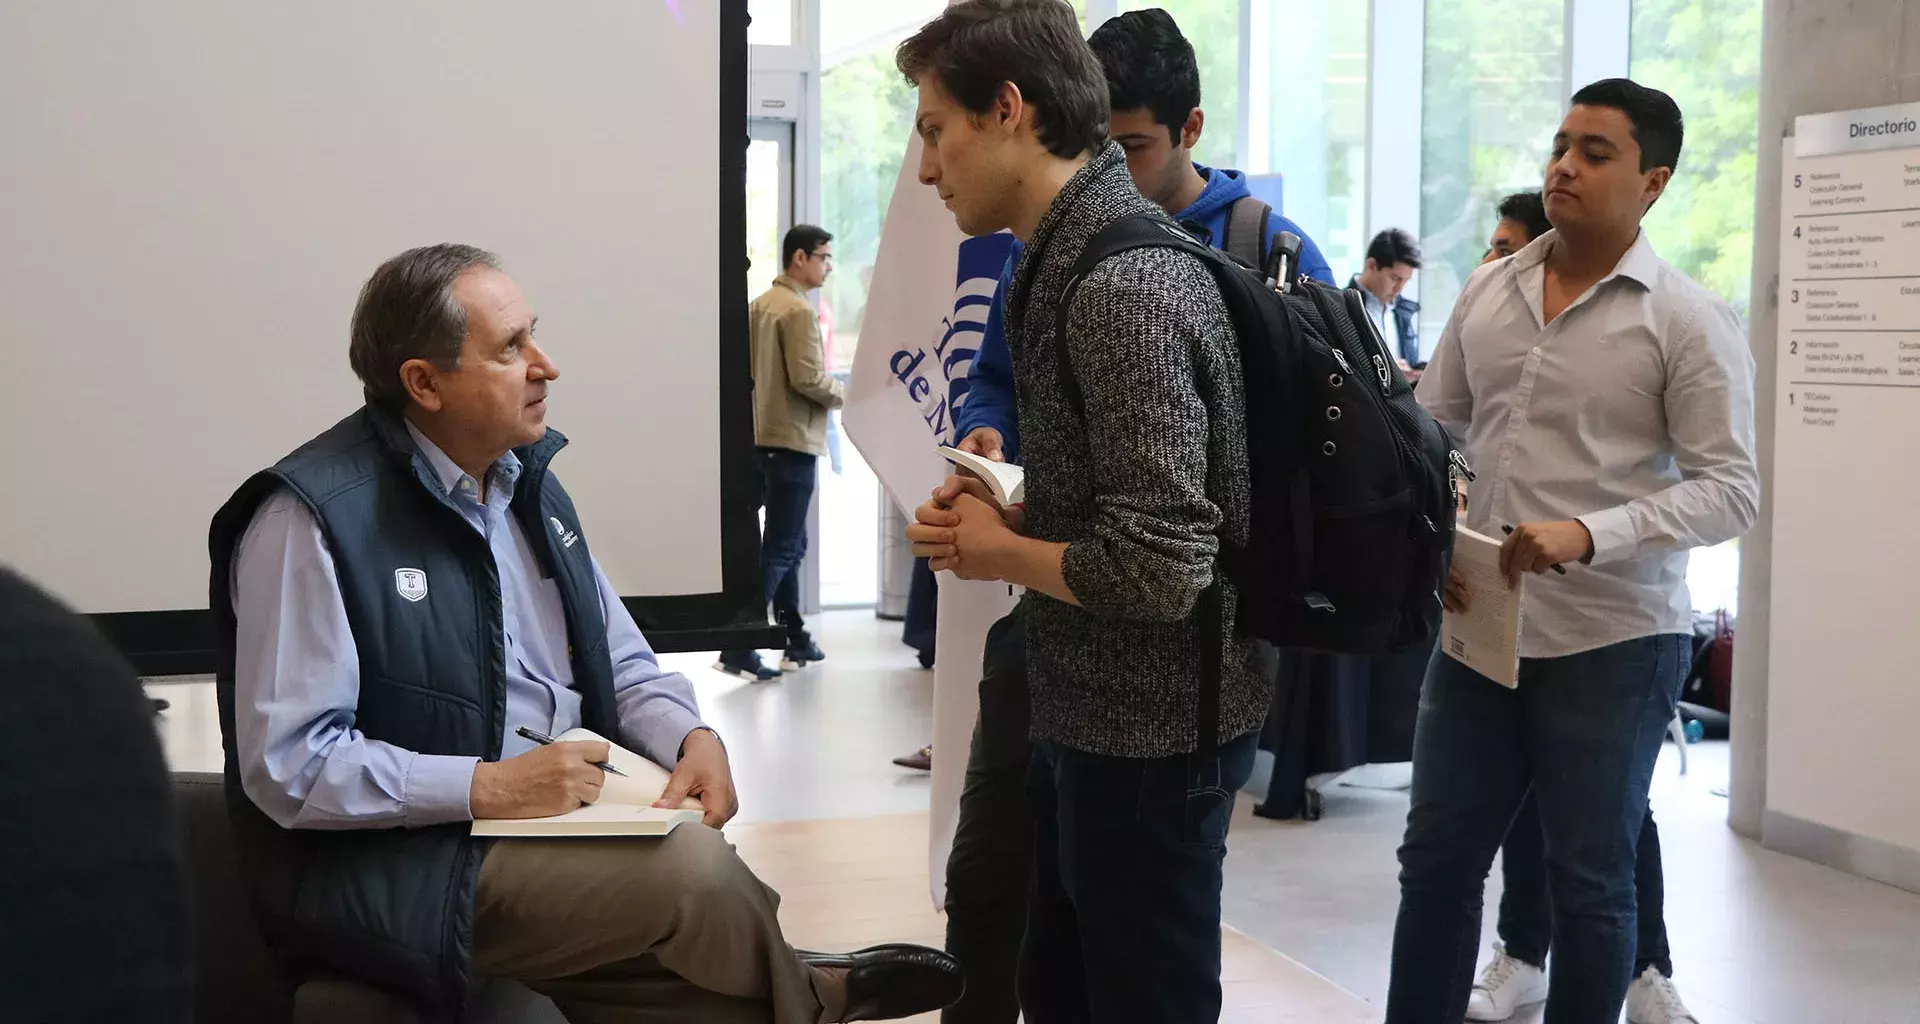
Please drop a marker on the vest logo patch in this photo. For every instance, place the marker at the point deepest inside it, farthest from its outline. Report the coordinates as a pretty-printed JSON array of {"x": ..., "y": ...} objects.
[
  {"x": 411, "y": 583},
  {"x": 567, "y": 537}
]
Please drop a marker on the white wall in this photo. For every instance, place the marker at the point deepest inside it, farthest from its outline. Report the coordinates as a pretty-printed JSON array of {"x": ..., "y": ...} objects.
[
  {"x": 192, "y": 192},
  {"x": 1823, "y": 760}
]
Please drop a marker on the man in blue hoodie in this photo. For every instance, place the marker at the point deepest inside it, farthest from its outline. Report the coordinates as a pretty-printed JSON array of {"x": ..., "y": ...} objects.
[
  {"x": 1153, "y": 82},
  {"x": 1154, "y": 86}
]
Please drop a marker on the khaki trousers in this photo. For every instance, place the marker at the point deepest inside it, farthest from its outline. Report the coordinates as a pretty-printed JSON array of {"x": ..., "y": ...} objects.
[{"x": 637, "y": 931}]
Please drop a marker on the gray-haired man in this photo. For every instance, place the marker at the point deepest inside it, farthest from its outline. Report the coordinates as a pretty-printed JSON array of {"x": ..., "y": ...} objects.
[{"x": 392, "y": 606}]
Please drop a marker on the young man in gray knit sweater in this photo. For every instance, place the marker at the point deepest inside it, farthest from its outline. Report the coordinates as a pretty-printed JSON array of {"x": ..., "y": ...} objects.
[{"x": 1130, "y": 501}]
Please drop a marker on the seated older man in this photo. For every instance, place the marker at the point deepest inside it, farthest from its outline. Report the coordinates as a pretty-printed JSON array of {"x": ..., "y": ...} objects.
[{"x": 396, "y": 599}]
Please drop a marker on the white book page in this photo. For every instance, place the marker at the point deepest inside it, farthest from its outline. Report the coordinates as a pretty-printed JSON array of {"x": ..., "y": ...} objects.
[
  {"x": 625, "y": 806},
  {"x": 1007, "y": 482},
  {"x": 1486, "y": 637},
  {"x": 644, "y": 780},
  {"x": 601, "y": 819}
]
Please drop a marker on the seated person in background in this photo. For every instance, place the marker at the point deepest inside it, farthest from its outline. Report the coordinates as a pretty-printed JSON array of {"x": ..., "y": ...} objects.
[
  {"x": 395, "y": 599},
  {"x": 1392, "y": 257},
  {"x": 93, "y": 901}
]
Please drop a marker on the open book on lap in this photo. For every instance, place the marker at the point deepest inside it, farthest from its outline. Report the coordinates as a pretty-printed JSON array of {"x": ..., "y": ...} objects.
[{"x": 625, "y": 807}]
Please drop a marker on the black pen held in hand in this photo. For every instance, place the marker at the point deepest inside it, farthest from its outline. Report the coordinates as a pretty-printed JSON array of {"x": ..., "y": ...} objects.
[
  {"x": 1508, "y": 530},
  {"x": 543, "y": 739}
]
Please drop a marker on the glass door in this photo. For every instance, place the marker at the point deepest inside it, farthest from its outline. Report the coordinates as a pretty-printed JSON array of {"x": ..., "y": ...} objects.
[{"x": 769, "y": 198}]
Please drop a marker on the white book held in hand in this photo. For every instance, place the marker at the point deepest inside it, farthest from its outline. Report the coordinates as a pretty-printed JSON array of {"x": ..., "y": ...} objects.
[
  {"x": 625, "y": 807},
  {"x": 1485, "y": 637},
  {"x": 1007, "y": 482}
]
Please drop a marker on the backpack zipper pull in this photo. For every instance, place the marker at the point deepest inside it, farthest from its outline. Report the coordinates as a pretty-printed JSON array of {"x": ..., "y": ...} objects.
[
  {"x": 1341, "y": 358},
  {"x": 1386, "y": 379},
  {"x": 1459, "y": 462}
]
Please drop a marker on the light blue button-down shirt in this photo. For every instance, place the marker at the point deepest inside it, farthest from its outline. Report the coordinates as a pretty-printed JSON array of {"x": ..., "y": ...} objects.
[{"x": 297, "y": 671}]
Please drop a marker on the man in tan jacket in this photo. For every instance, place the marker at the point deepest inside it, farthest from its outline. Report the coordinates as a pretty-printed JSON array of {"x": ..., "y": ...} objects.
[{"x": 792, "y": 394}]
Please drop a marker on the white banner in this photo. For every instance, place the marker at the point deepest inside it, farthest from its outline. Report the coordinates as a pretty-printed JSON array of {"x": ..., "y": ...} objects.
[
  {"x": 898, "y": 407},
  {"x": 926, "y": 309}
]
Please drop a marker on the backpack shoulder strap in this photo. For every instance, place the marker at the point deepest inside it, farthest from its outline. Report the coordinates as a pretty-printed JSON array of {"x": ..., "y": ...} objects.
[
  {"x": 1135, "y": 232},
  {"x": 1247, "y": 237},
  {"x": 1139, "y": 232}
]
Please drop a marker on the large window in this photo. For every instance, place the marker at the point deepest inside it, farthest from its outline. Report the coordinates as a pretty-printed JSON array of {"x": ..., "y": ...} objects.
[
  {"x": 1213, "y": 27},
  {"x": 866, "y": 113},
  {"x": 770, "y": 22},
  {"x": 1492, "y": 99},
  {"x": 1706, "y": 54},
  {"x": 1315, "y": 121},
  {"x": 866, "y": 117}
]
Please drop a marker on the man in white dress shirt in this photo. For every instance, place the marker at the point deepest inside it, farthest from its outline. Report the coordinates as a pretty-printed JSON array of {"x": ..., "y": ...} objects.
[{"x": 1607, "y": 403}]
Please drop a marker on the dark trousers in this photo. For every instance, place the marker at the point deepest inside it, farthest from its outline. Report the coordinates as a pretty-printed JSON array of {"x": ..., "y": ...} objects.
[
  {"x": 1582, "y": 731},
  {"x": 1526, "y": 917},
  {"x": 789, "y": 478},
  {"x": 1124, "y": 918},
  {"x": 991, "y": 864}
]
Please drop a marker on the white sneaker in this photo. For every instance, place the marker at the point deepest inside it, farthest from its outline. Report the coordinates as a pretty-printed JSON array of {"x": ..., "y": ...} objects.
[
  {"x": 1505, "y": 986},
  {"x": 1652, "y": 999}
]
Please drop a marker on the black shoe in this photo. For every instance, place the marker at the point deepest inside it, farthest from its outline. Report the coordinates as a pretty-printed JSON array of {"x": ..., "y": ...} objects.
[
  {"x": 801, "y": 653},
  {"x": 746, "y": 665},
  {"x": 897, "y": 980}
]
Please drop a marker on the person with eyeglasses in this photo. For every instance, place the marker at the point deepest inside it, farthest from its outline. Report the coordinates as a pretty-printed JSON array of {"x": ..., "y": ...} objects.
[{"x": 794, "y": 392}]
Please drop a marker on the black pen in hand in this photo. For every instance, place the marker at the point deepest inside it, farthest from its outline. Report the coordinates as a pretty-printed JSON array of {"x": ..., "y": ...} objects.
[
  {"x": 1508, "y": 530},
  {"x": 543, "y": 739}
]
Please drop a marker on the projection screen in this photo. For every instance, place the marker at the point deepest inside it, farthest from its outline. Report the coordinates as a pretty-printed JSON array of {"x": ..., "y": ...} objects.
[{"x": 193, "y": 191}]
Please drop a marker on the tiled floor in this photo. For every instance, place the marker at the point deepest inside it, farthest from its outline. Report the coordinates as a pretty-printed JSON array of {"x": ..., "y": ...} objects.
[
  {"x": 1758, "y": 938},
  {"x": 829, "y": 822},
  {"x": 847, "y": 884}
]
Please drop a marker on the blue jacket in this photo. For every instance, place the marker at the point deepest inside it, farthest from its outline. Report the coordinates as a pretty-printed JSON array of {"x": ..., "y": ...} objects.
[
  {"x": 1209, "y": 214},
  {"x": 990, "y": 400}
]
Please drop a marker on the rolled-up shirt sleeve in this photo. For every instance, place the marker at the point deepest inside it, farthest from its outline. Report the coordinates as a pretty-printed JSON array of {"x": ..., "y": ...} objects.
[
  {"x": 1445, "y": 391},
  {"x": 297, "y": 687},
  {"x": 657, "y": 708}
]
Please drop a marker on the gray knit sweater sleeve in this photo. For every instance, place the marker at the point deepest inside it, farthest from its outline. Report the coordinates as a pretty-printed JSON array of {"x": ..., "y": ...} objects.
[{"x": 1155, "y": 533}]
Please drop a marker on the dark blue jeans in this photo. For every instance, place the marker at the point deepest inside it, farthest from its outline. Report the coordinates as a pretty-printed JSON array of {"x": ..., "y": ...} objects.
[
  {"x": 1123, "y": 923},
  {"x": 1583, "y": 732},
  {"x": 788, "y": 479},
  {"x": 1526, "y": 914}
]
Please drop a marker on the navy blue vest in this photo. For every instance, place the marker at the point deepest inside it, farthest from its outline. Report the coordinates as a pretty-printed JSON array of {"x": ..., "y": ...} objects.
[{"x": 394, "y": 907}]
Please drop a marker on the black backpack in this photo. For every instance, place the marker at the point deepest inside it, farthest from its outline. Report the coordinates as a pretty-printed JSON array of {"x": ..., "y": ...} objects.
[{"x": 1352, "y": 481}]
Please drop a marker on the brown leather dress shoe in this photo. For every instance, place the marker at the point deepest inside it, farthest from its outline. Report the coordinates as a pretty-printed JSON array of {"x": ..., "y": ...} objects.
[{"x": 920, "y": 760}]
